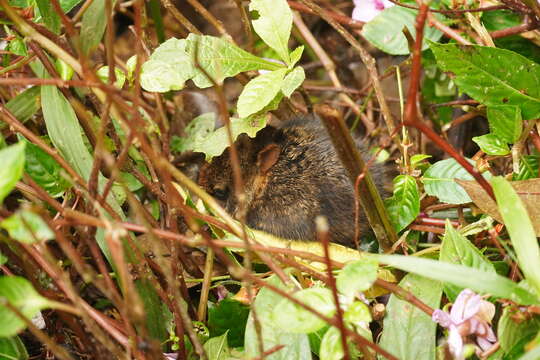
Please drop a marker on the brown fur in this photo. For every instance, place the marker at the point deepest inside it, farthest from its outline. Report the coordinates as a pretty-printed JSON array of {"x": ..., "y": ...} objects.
[{"x": 291, "y": 175}]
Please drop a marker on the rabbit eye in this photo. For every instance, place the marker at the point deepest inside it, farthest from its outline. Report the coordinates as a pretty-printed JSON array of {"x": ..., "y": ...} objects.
[{"x": 221, "y": 194}]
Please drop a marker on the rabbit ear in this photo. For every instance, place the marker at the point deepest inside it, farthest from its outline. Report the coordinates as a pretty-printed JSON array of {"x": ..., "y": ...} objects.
[{"x": 267, "y": 157}]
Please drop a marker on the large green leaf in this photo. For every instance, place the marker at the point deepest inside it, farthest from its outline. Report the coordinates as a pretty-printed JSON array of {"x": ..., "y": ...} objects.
[
  {"x": 49, "y": 15},
  {"x": 293, "y": 80},
  {"x": 296, "y": 345},
  {"x": 12, "y": 159},
  {"x": 216, "y": 348},
  {"x": 27, "y": 227},
  {"x": 491, "y": 144},
  {"x": 385, "y": 31},
  {"x": 19, "y": 293},
  {"x": 408, "y": 333},
  {"x": 493, "y": 76},
  {"x": 404, "y": 206},
  {"x": 505, "y": 122},
  {"x": 456, "y": 249},
  {"x": 357, "y": 276},
  {"x": 94, "y": 22},
  {"x": 12, "y": 349},
  {"x": 228, "y": 316},
  {"x": 512, "y": 328},
  {"x": 273, "y": 24},
  {"x": 259, "y": 92},
  {"x": 463, "y": 276},
  {"x": 439, "y": 181},
  {"x": 521, "y": 230}
]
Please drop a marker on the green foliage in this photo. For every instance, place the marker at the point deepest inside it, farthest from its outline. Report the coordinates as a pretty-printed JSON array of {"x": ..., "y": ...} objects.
[
  {"x": 12, "y": 168},
  {"x": 385, "y": 30},
  {"x": 482, "y": 73},
  {"x": 24, "y": 105},
  {"x": 357, "y": 276},
  {"x": 12, "y": 348},
  {"x": 404, "y": 206},
  {"x": 505, "y": 122},
  {"x": 513, "y": 329},
  {"x": 331, "y": 345},
  {"x": 94, "y": 22},
  {"x": 19, "y": 293},
  {"x": 439, "y": 181},
  {"x": 491, "y": 144},
  {"x": 259, "y": 92},
  {"x": 408, "y": 333},
  {"x": 228, "y": 316},
  {"x": 528, "y": 168},
  {"x": 216, "y": 348},
  {"x": 27, "y": 227}
]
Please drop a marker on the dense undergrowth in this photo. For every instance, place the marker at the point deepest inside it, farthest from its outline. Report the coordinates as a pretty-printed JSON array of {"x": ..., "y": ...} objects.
[{"x": 110, "y": 250}]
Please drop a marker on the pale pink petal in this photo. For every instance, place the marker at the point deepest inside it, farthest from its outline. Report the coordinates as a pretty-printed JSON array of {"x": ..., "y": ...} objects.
[
  {"x": 455, "y": 343},
  {"x": 366, "y": 10},
  {"x": 466, "y": 306},
  {"x": 442, "y": 318}
]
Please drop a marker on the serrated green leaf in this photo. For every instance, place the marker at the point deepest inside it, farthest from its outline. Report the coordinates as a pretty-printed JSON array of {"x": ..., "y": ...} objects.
[
  {"x": 94, "y": 22},
  {"x": 19, "y": 293},
  {"x": 491, "y": 144},
  {"x": 273, "y": 24},
  {"x": 511, "y": 330},
  {"x": 456, "y": 249},
  {"x": 385, "y": 31},
  {"x": 259, "y": 92},
  {"x": 296, "y": 345},
  {"x": 216, "y": 348},
  {"x": 483, "y": 73},
  {"x": 521, "y": 230},
  {"x": 12, "y": 168},
  {"x": 27, "y": 227},
  {"x": 331, "y": 345},
  {"x": 293, "y": 80},
  {"x": 298, "y": 320},
  {"x": 439, "y": 181},
  {"x": 357, "y": 276},
  {"x": 505, "y": 122},
  {"x": 404, "y": 206},
  {"x": 463, "y": 276},
  {"x": 12, "y": 348},
  {"x": 45, "y": 171},
  {"x": 408, "y": 333},
  {"x": 528, "y": 168}
]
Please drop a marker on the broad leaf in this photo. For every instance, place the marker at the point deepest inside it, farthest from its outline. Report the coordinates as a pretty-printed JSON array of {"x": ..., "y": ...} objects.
[
  {"x": 259, "y": 92},
  {"x": 357, "y": 276},
  {"x": 385, "y": 31},
  {"x": 273, "y": 24},
  {"x": 483, "y": 73},
  {"x": 505, "y": 122},
  {"x": 456, "y": 249},
  {"x": 408, "y": 333},
  {"x": 404, "y": 206},
  {"x": 27, "y": 227},
  {"x": 491, "y": 144},
  {"x": 216, "y": 348},
  {"x": 521, "y": 230},
  {"x": 296, "y": 345},
  {"x": 463, "y": 276},
  {"x": 12, "y": 349},
  {"x": 293, "y": 80},
  {"x": 49, "y": 15},
  {"x": 12, "y": 168},
  {"x": 296, "y": 319},
  {"x": 94, "y": 22},
  {"x": 24, "y": 105},
  {"x": 45, "y": 171},
  {"x": 439, "y": 181},
  {"x": 228, "y": 316},
  {"x": 527, "y": 190},
  {"x": 331, "y": 345},
  {"x": 514, "y": 327},
  {"x": 19, "y": 293}
]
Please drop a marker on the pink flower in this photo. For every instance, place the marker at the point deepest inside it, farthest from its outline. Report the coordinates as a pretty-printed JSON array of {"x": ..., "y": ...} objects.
[
  {"x": 470, "y": 315},
  {"x": 366, "y": 10}
]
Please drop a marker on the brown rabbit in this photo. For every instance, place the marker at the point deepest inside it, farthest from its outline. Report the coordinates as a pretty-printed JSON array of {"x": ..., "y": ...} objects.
[{"x": 291, "y": 174}]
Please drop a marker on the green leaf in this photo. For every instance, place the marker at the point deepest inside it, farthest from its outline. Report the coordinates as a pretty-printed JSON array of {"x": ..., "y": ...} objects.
[
  {"x": 228, "y": 316},
  {"x": 512, "y": 331},
  {"x": 483, "y": 73},
  {"x": 296, "y": 345},
  {"x": 331, "y": 346},
  {"x": 404, "y": 206},
  {"x": 64, "y": 70},
  {"x": 385, "y": 31},
  {"x": 19, "y": 293},
  {"x": 259, "y": 92},
  {"x": 505, "y": 122},
  {"x": 273, "y": 24},
  {"x": 357, "y": 314},
  {"x": 24, "y": 105},
  {"x": 173, "y": 63},
  {"x": 296, "y": 55},
  {"x": 12, "y": 348},
  {"x": 357, "y": 276},
  {"x": 3, "y": 259},
  {"x": 17, "y": 46},
  {"x": 296, "y": 319},
  {"x": 216, "y": 348},
  {"x": 293, "y": 80},
  {"x": 521, "y": 230},
  {"x": 439, "y": 181},
  {"x": 94, "y": 22},
  {"x": 463, "y": 276},
  {"x": 491, "y": 144},
  {"x": 103, "y": 74},
  {"x": 528, "y": 168},
  {"x": 408, "y": 333},
  {"x": 45, "y": 171},
  {"x": 456, "y": 249},
  {"x": 50, "y": 17},
  {"x": 27, "y": 227},
  {"x": 12, "y": 168},
  {"x": 418, "y": 158}
]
